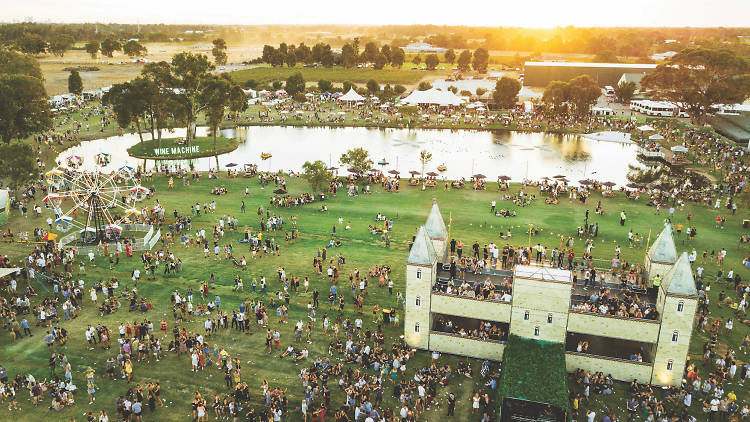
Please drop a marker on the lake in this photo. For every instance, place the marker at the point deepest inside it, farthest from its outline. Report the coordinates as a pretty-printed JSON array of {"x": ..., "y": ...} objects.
[{"x": 518, "y": 155}]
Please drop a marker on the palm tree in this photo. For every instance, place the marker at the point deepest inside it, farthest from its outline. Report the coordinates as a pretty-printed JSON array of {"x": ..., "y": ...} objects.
[{"x": 424, "y": 157}]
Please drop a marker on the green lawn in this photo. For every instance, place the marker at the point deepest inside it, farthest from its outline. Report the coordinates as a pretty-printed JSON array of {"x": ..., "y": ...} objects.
[
  {"x": 468, "y": 212},
  {"x": 176, "y": 149},
  {"x": 339, "y": 74}
]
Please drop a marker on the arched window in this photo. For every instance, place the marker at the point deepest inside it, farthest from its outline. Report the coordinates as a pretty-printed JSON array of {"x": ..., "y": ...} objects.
[
  {"x": 526, "y": 315},
  {"x": 549, "y": 318},
  {"x": 536, "y": 331},
  {"x": 670, "y": 363},
  {"x": 418, "y": 301},
  {"x": 680, "y": 306},
  {"x": 416, "y": 327},
  {"x": 675, "y": 336}
]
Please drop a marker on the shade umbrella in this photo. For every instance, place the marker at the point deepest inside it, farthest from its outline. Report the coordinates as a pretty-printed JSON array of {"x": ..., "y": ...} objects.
[
  {"x": 679, "y": 148},
  {"x": 432, "y": 174},
  {"x": 546, "y": 178},
  {"x": 655, "y": 137},
  {"x": 559, "y": 176},
  {"x": 608, "y": 184},
  {"x": 413, "y": 172},
  {"x": 585, "y": 182},
  {"x": 633, "y": 185},
  {"x": 563, "y": 180},
  {"x": 393, "y": 172},
  {"x": 332, "y": 168},
  {"x": 504, "y": 177},
  {"x": 353, "y": 170},
  {"x": 374, "y": 170},
  {"x": 231, "y": 165},
  {"x": 479, "y": 176}
]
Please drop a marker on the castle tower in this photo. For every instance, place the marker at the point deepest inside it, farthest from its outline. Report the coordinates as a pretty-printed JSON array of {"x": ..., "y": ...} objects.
[
  {"x": 436, "y": 230},
  {"x": 421, "y": 270},
  {"x": 677, "y": 303},
  {"x": 541, "y": 301},
  {"x": 662, "y": 255}
]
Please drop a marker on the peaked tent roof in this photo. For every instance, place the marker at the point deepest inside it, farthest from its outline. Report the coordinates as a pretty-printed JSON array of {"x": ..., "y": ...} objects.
[
  {"x": 679, "y": 279},
  {"x": 435, "y": 225},
  {"x": 422, "y": 252},
  {"x": 351, "y": 96},
  {"x": 432, "y": 96},
  {"x": 663, "y": 249}
]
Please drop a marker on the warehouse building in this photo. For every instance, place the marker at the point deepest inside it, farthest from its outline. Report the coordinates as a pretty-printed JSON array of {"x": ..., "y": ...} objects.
[{"x": 540, "y": 74}]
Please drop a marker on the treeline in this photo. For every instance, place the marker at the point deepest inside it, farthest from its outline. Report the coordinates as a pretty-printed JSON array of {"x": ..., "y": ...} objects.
[{"x": 372, "y": 55}]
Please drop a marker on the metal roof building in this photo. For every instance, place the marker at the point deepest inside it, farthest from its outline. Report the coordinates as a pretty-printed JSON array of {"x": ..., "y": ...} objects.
[{"x": 542, "y": 73}]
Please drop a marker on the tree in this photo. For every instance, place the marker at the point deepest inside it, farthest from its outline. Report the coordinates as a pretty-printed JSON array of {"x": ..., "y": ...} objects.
[
  {"x": 424, "y": 86},
  {"x": 380, "y": 61},
  {"x": 506, "y": 92},
  {"x": 583, "y": 93},
  {"x": 291, "y": 59},
  {"x": 397, "y": 57},
  {"x": 24, "y": 109},
  {"x": 215, "y": 95},
  {"x": 128, "y": 104},
  {"x": 424, "y": 158},
  {"x": 321, "y": 53},
  {"x": 432, "y": 61},
  {"x": 357, "y": 158},
  {"x": 464, "y": 60},
  {"x": 481, "y": 59},
  {"x": 399, "y": 89},
  {"x": 480, "y": 91},
  {"x": 348, "y": 58},
  {"x": 17, "y": 163},
  {"x": 92, "y": 47},
  {"x": 373, "y": 86},
  {"x": 163, "y": 107},
  {"x": 325, "y": 85},
  {"x": 294, "y": 84},
  {"x": 133, "y": 48},
  {"x": 347, "y": 86},
  {"x": 32, "y": 44},
  {"x": 385, "y": 50},
  {"x": 450, "y": 56},
  {"x": 606, "y": 56},
  {"x": 371, "y": 50},
  {"x": 109, "y": 46},
  {"x": 61, "y": 44},
  {"x": 188, "y": 73},
  {"x": 624, "y": 91},
  {"x": 417, "y": 60},
  {"x": 75, "y": 84},
  {"x": 555, "y": 97},
  {"x": 13, "y": 63},
  {"x": 303, "y": 53},
  {"x": 237, "y": 99},
  {"x": 453, "y": 89},
  {"x": 317, "y": 175},
  {"x": 699, "y": 78}
]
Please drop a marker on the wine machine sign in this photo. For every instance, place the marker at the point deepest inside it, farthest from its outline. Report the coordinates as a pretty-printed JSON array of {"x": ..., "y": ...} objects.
[{"x": 194, "y": 149}]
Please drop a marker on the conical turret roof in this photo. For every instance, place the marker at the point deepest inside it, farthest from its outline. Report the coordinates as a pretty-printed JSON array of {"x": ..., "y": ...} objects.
[{"x": 422, "y": 252}]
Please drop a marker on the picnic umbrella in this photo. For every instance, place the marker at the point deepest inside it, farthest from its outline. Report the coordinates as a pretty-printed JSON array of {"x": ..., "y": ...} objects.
[
  {"x": 432, "y": 174},
  {"x": 479, "y": 176},
  {"x": 374, "y": 170},
  {"x": 393, "y": 172},
  {"x": 679, "y": 148},
  {"x": 608, "y": 184},
  {"x": 332, "y": 168},
  {"x": 413, "y": 172},
  {"x": 503, "y": 177},
  {"x": 563, "y": 180},
  {"x": 231, "y": 165},
  {"x": 545, "y": 178},
  {"x": 633, "y": 185},
  {"x": 353, "y": 170},
  {"x": 585, "y": 182},
  {"x": 559, "y": 176}
]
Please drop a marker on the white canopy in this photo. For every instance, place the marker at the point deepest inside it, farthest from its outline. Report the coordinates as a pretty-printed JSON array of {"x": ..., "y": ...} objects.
[
  {"x": 351, "y": 96},
  {"x": 655, "y": 136},
  {"x": 6, "y": 271},
  {"x": 679, "y": 148},
  {"x": 432, "y": 96},
  {"x": 646, "y": 128}
]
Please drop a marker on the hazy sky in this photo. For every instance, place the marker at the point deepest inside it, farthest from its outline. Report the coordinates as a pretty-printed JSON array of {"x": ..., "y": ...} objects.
[{"x": 532, "y": 13}]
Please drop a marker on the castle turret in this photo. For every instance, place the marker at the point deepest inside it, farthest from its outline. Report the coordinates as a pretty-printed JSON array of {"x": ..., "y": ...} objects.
[
  {"x": 421, "y": 270},
  {"x": 661, "y": 256},
  {"x": 677, "y": 303},
  {"x": 436, "y": 230}
]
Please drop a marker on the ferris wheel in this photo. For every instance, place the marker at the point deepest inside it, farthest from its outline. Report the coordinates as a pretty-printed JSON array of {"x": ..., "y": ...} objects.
[{"x": 93, "y": 202}]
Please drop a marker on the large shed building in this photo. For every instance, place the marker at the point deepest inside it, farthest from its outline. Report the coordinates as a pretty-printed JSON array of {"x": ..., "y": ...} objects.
[{"x": 542, "y": 73}]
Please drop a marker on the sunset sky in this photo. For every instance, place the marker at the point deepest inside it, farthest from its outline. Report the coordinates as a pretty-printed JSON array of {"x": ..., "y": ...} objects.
[{"x": 538, "y": 13}]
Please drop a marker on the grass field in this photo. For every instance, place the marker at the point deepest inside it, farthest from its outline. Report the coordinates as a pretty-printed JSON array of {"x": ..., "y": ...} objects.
[
  {"x": 470, "y": 220},
  {"x": 338, "y": 74},
  {"x": 205, "y": 147}
]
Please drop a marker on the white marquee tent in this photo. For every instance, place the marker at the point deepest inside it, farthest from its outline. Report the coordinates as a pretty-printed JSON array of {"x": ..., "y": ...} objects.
[
  {"x": 351, "y": 96},
  {"x": 432, "y": 96}
]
